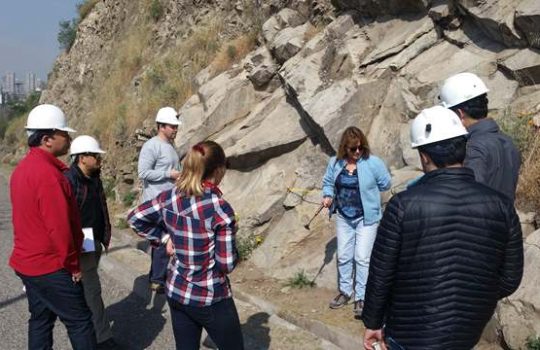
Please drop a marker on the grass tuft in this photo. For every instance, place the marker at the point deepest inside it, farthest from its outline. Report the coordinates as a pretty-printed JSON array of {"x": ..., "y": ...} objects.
[{"x": 299, "y": 281}]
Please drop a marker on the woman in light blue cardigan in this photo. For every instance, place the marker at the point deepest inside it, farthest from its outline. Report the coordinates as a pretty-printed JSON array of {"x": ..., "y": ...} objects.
[{"x": 351, "y": 189}]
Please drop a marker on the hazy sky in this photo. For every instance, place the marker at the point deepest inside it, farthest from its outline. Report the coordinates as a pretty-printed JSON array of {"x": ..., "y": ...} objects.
[{"x": 28, "y": 30}]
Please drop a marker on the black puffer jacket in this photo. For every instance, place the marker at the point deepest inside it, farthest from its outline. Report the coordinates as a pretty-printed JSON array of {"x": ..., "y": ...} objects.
[{"x": 447, "y": 249}]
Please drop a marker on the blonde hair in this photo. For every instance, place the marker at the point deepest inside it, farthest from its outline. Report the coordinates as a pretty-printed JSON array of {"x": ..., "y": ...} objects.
[{"x": 200, "y": 163}]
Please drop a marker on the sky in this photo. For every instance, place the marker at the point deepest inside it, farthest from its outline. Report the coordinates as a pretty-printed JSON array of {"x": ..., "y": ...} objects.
[{"x": 28, "y": 30}]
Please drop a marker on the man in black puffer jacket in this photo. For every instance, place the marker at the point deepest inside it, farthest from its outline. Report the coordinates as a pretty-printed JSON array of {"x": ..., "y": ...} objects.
[{"x": 447, "y": 249}]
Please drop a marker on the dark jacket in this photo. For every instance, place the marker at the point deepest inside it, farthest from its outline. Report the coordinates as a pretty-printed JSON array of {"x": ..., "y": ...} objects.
[
  {"x": 446, "y": 250},
  {"x": 493, "y": 157},
  {"x": 80, "y": 184}
]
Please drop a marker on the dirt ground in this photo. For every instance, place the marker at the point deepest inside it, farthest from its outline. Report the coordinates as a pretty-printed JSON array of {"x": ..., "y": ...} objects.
[{"x": 310, "y": 303}]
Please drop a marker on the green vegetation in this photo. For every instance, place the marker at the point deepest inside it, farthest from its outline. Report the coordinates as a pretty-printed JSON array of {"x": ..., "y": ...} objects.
[
  {"x": 129, "y": 198},
  {"x": 300, "y": 280},
  {"x": 67, "y": 33},
  {"x": 68, "y": 29},
  {"x": 519, "y": 128},
  {"x": 246, "y": 245},
  {"x": 527, "y": 138},
  {"x": 156, "y": 10},
  {"x": 533, "y": 343},
  {"x": 16, "y": 111}
]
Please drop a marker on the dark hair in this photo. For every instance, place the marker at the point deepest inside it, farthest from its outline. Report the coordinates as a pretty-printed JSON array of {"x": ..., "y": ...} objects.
[
  {"x": 36, "y": 138},
  {"x": 447, "y": 152},
  {"x": 351, "y": 137},
  {"x": 476, "y": 108},
  {"x": 200, "y": 163}
]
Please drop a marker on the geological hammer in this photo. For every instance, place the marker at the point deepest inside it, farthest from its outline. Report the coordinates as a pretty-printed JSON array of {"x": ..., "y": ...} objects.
[{"x": 306, "y": 226}]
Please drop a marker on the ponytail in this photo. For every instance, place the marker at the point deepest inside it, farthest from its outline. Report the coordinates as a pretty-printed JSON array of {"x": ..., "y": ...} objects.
[{"x": 200, "y": 163}]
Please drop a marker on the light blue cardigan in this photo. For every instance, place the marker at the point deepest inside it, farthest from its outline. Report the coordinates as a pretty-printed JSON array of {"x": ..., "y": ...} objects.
[{"x": 373, "y": 177}]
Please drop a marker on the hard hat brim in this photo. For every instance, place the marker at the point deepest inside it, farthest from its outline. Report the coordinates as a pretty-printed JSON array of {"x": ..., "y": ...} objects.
[{"x": 66, "y": 129}]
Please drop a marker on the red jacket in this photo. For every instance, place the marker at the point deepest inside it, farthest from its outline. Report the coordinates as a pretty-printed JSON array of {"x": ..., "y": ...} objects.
[{"x": 46, "y": 223}]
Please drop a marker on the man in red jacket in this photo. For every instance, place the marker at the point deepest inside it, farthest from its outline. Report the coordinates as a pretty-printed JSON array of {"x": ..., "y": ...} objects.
[{"x": 48, "y": 235}]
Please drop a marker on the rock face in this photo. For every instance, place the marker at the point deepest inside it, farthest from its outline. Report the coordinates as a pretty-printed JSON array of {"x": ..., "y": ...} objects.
[
  {"x": 517, "y": 315},
  {"x": 280, "y": 112}
]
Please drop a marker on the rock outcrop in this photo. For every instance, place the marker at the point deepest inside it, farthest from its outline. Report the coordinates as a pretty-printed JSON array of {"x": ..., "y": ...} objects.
[{"x": 280, "y": 112}]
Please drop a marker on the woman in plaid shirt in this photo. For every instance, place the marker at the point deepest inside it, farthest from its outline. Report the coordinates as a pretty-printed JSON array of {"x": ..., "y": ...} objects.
[{"x": 198, "y": 227}]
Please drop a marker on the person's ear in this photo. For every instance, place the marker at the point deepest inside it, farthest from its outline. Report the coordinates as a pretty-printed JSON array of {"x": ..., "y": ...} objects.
[{"x": 424, "y": 158}]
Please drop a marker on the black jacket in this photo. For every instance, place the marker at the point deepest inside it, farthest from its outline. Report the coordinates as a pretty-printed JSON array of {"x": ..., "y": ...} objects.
[
  {"x": 493, "y": 157},
  {"x": 446, "y": 250},
  {"x": 80, "y": 185}
]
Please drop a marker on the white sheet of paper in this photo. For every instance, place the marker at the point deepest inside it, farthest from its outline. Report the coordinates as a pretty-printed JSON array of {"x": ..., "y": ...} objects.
[{"x": 88, "y": 243}]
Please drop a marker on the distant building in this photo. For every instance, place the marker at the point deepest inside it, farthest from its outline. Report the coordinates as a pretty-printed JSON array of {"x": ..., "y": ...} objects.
[
  {"x": 9, "y": 83},
  {"x": 30, "y": 83}
]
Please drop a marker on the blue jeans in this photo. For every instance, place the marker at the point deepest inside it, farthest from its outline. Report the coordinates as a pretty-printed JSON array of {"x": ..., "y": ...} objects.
[
  {"x": 354, "y": 244},
  {"x": 158, "y": 268},
  {"x": 220, "y": 321},
  {"x": 56, "y": 295}
]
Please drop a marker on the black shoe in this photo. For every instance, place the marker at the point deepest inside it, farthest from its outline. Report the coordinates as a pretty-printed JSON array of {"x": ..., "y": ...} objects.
[
  {"x": 339, "y": 301},
  {"x": 108, "y": 344}
]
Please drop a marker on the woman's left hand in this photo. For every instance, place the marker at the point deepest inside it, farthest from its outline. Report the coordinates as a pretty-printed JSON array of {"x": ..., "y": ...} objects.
[{"x": 169, "y": 248}]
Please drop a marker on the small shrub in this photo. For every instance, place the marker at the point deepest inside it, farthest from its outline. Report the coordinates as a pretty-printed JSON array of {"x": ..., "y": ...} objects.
[
  {"x": 300, "y": 280},
  {"x": 156, "y": 10},
  {"x": 67, "y": 34},
  {"x": 231, "y": 52},
  {"x": 533, "y": 343},
  {"x": 129, "y": 198},
  {"x": 246, "y": 245}
]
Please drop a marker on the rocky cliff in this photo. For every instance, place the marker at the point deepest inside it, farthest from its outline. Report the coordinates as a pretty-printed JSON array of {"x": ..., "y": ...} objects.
[{"x": 279, "y": 83}]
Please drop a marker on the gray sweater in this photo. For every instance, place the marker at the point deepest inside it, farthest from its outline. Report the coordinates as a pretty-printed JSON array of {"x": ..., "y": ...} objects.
[{"x": 156, "y": 160}]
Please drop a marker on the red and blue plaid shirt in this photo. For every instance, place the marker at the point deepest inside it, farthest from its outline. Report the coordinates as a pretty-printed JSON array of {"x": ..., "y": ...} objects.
[{"x": 202, "y": 230}]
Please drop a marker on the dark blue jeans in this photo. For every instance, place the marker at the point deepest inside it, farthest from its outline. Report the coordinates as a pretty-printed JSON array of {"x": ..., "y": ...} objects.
[
  {"x": 220, "y": 321},
  {"x": 56, "y": 295},
  {"x": 158, "y": 268}
]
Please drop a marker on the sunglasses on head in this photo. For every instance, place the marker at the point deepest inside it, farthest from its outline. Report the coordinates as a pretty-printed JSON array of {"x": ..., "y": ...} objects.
[{"x": 355, "y": 148}]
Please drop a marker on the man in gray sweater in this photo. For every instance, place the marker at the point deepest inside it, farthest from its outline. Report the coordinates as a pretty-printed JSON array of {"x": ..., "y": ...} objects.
[{"x": 158, "y": 170}]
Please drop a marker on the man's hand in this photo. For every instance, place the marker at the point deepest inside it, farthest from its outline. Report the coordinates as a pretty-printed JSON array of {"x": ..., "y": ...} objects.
[
  {"x": 175, "y": 174},
  {"x": 169, "y": 248},
  {"x": 371, "y": 336},
  {"x": 327, "y": 202},
  {"x": 76, "y": 277}
]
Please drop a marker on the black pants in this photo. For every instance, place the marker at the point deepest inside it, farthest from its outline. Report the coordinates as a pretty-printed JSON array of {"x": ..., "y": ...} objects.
[
  {"x": 158, "y": 268},
  {"x": 56, "y": 295},
  {"x": 220, "y": 321}
]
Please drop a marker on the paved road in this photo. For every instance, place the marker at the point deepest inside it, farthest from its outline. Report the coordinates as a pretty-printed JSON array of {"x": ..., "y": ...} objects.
[{"x": 135, "y": 325}]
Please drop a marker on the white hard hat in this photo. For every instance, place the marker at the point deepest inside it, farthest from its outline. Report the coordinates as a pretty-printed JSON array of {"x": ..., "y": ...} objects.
[
  {"x": 460, "y": 88},
  {"x": 47, "y": 117},
  {"x": 435, "y": 124},
  {"x": 85, "y": 144},
  {"x": 167, "y": 115}
]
